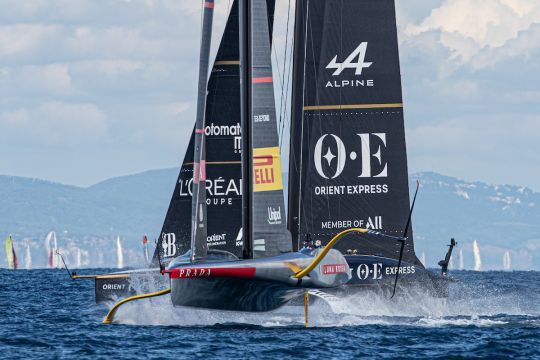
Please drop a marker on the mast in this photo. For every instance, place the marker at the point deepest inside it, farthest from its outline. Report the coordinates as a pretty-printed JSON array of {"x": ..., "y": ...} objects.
[
  {"x": 199, "y": 246},
  {"x": 297, "y": 103},
  {"x": 245, "y": 100}
]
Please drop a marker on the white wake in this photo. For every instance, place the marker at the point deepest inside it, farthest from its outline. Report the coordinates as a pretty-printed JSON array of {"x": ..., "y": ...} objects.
[{"x": 413, "y": 309}]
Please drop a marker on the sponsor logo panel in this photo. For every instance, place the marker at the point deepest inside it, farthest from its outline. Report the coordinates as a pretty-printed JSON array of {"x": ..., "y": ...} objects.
[
  {"x": 109, "y": 287},
  {"x": 230, "y": 131},
  {"x": 194, "y": 273},
  {"x": 274, "y": 215},
  {"x": 376, "y": 271},
  {"x": 219, "y": 191},
  {"x": 267, "y": 169},
  {"x": 332, "y": 269},
  {"x": 168, "y": 243},
  {"x": 356, "y": 61},
  {"x": 371, "y": 222},
  {"x": 216, "y": 239},
  {"x": 332, "y": 156}
]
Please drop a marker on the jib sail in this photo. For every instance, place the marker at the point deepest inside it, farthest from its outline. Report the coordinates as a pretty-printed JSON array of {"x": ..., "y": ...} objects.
[{"x": 348, "y": 162}]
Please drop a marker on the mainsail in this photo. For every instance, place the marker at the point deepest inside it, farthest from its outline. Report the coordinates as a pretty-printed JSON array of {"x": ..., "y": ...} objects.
[
  {"x": 223, "y": 160},
  {"x": 348, "y": 162}
]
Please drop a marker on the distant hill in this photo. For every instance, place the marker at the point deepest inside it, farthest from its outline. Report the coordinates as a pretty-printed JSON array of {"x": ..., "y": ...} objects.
[
  {"x": 500, "y": 218},
  {"x": 129, "y": 205}
]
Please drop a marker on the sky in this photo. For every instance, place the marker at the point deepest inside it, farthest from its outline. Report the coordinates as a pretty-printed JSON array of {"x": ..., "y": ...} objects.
[{"x": 92, "y": 89}]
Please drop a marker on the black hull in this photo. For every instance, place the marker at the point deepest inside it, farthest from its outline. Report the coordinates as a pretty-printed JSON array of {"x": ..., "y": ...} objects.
[
  {"x": 232, "y": 294},
  {"x": 255, "y": 285}
]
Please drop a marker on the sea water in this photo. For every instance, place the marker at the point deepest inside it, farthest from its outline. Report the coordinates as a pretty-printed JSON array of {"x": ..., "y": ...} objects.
[{"x": 44, "y": 314}]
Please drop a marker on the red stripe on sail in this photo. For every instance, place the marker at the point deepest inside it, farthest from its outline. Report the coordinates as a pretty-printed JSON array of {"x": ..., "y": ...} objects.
[
  {"x": 209, "y": 5},
  {"x": 260, "y": 80},
  {"x": 200, "y": 172},
  {"x": 199, "y": 131},
  {"x": 189, "y": 273}
]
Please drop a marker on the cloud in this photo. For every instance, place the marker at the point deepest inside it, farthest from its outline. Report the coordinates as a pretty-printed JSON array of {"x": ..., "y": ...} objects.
[
  {"x": 54, "y": 123},
  {"x": 121, "y": 77},
  {"x": 472, "y": 28},
  {"x": 49, "y": 80}
]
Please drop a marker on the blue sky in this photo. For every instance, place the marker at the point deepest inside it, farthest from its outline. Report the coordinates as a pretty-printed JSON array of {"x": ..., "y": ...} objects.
[{"x": 91, "y": 89}]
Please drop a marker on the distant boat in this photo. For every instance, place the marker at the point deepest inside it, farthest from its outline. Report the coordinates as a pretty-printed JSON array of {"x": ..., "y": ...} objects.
[
  {"x": 461, "y": 261},
  {"x": 119, "y": 254},
  {"x": 477, "y": 258},
  {"x": 145, "y": 250},
  {"x": 507, "y": 263},
  {"x": 51, "y": 246},
  {"x": 11, "y": 257},
  {"x": 28, "y": 258},
  {"x": 79, "y": 258}
]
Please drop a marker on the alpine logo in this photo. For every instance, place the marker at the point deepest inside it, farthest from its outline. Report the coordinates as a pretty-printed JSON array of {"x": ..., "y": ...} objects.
[
  {"x": 168, "y": 242},
  {"x": 355, "y": 61},
  {"x": 359, "y": 54}
]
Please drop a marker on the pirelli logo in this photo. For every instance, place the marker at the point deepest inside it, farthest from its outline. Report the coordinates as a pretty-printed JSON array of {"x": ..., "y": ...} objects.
[{"x": 267, "y": 169}]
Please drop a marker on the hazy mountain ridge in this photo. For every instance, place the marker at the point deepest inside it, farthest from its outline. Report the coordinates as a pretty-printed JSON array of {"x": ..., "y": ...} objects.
[{"x": 500, "y": 218}]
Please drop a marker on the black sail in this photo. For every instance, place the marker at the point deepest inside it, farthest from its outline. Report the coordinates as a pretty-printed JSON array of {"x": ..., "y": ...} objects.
[
  {"x": 223, "y": 162},
  {"x": 223, "y": 159},
  {"x": 348, "y": 162},
  {"x": 264, "y": 208}
]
